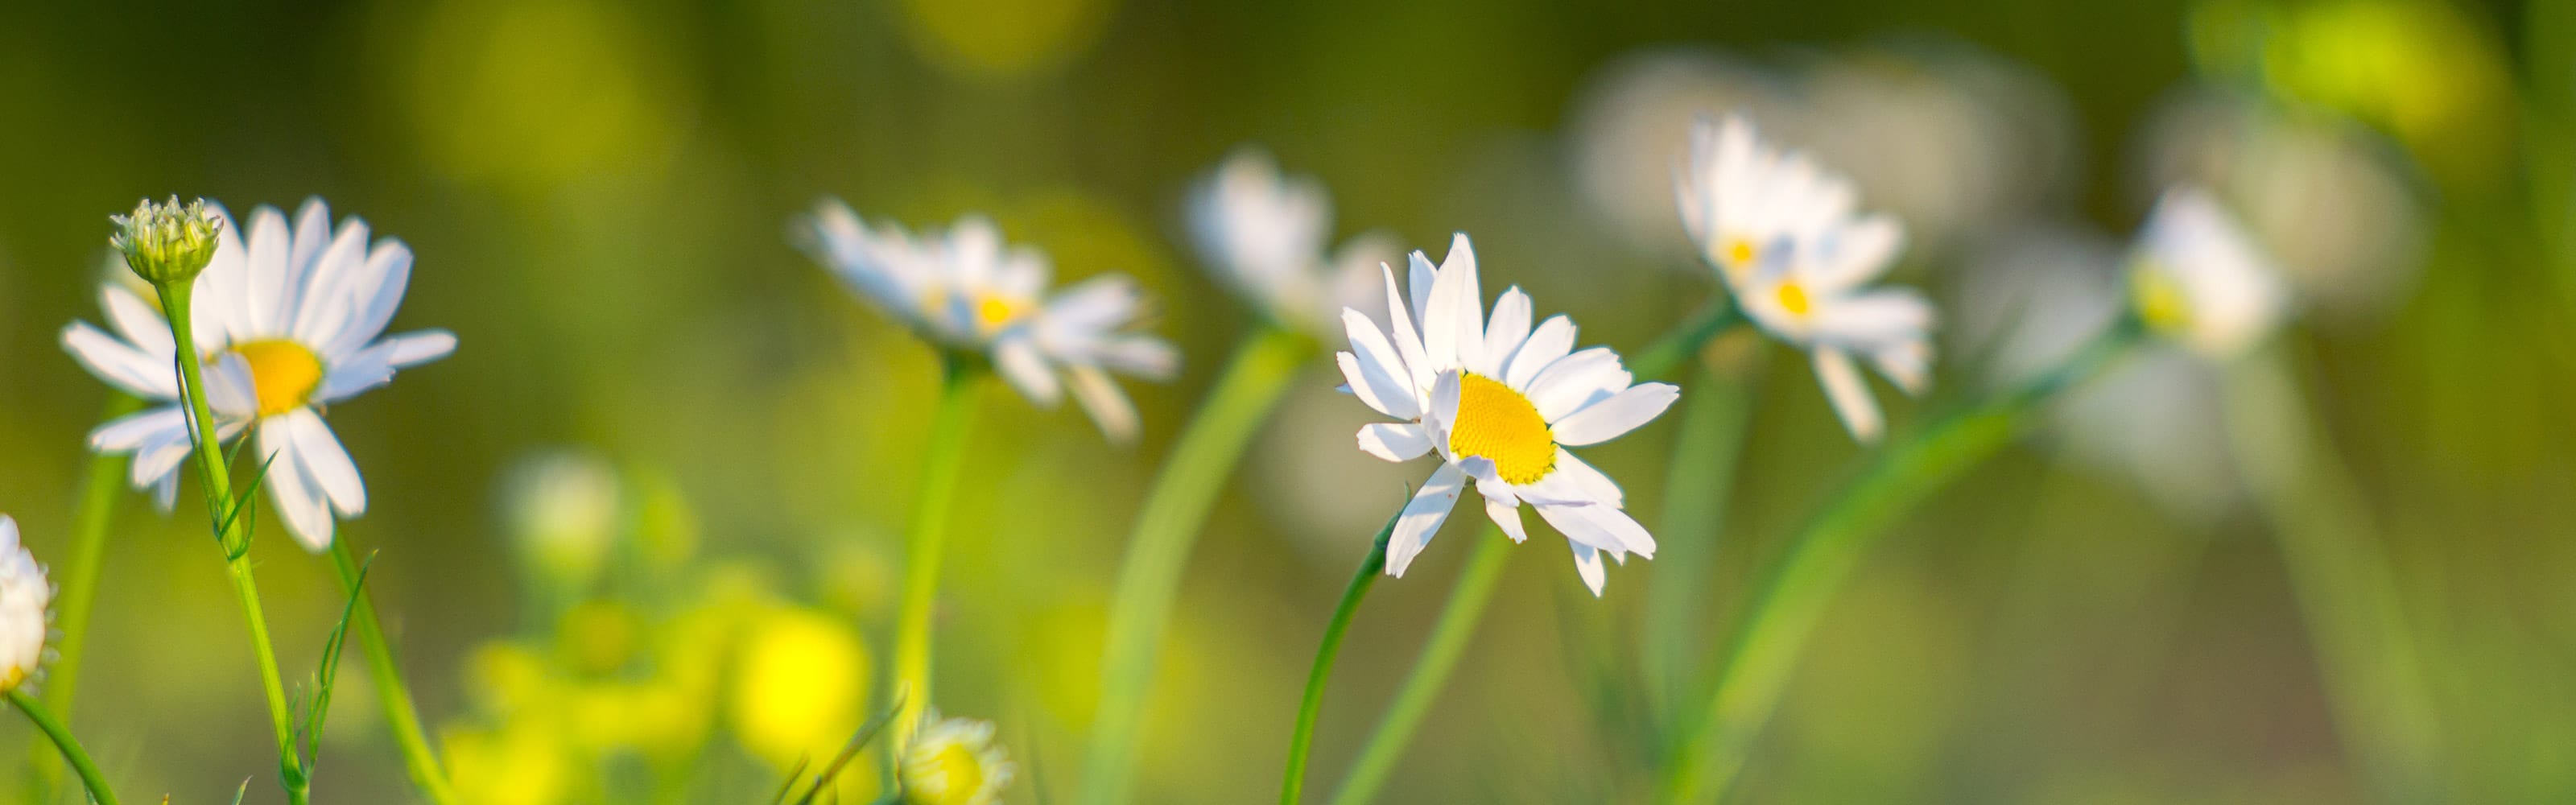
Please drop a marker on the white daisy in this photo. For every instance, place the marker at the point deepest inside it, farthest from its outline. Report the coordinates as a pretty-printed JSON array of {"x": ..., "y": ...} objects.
[
  {"x": 1798, "y": 262},
  {"x": 24, "y": 597},
  {"x": 289, "y": 322},
  {"x": 1265, "y": 235},
  {"x": 2199, "y": 279},
  {"x": 1499, "y": 401},
  {"x": 966, "y": 289},
  {"x": 954, "y": 761}
]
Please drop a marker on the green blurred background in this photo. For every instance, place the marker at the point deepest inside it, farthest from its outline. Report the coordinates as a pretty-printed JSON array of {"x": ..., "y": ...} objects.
[{"x": 598, "y": 195}]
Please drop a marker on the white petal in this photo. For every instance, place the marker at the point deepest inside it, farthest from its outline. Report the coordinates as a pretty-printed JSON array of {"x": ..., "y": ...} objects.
[
  {"x": 1606, "y": 527},
  {"x": 1408, "y": 341},
  {"x": 1506, "y": 513},
  {"x": 1548, "y": 344},
  {"x": 1419, "y": 280},
  {"x": 119, "y": 363},
  {"x": 159, "y": 457},
  {"x": 374, "y": 294},
  {"x": 1575, "y": 381},
  {"x": 294, "y": 497},
  {"x": 165, "y": 494},
  {"x": 1099, "y": 396},
  {"x": 230, "y": 389},
  {"x": 1587, "y": 563},
  {"x": 1574, "y": 480},
  {"x": 1026, "y": 370},
  {"x": 1444, "y": 404},
  {"x": 1394, "y": 441},
  {"x": 312, "y": 233},
  {"x": 1510, "y": 327},
  {"x": 1849, "y": 394},
  {"x": 1376, "y": 371},
  {"x": 330, "y": 300},
  {"x": 126, "y": 433},
  {"x": 417, "y": 347},
  {"x": 325, "y": 460},
  {"x": 1470, "y": 304},
  {"x": 1621, "y": 413},
  {"x": 1441, "y": 327},
  {"x": 138, "y": 322},
  {"x": 1875, "y": 317},
  {"x": 269, "y": 247},
  {"x": 347, "y": 378},
  {"x": 1421, "y": 518}
]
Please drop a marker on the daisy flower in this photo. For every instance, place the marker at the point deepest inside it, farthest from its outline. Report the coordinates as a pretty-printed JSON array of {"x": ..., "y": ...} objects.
[
  {"x": 954, "y": 761},
  {"x": 1264, "y": 234},
  {"x": 24, "y": 597},
  {"x": 1499, "y": 401},
  {"x": 965, "y": 289},
  {"x": 1784, "y": 238},
  {"x": 290, "y": 322},
  {"x": 2199, "y": 279}
]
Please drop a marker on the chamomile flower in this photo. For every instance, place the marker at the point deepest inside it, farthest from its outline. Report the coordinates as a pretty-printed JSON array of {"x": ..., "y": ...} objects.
[
  {"x": 966, "y": 289},
  {"x": 954, "y": 761},
  {"x": 2199, "y": 279},
  {"x": 1265, "y": 236},
  {"x": 24, "y": 597},
  {"x": 1498, "y": 401},
  {"x": 290, "y": 322},
  {"x": 1798, "y": 262}
]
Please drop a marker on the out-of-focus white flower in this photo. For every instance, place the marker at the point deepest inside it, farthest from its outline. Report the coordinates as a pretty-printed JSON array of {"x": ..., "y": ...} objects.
[
  {"x": 1783, "y": 237},
  {"x": 24, "y": 597},
  {"x": 1630, "y": 124},
  {"x": 966, "y": 289},
  {"x": 954, "y": 761},
  {"x": 1498, "y": 401},
  {"x": 563, "y": 508},
  {"x": 1264, "y": 235},
  {"x": 2332, "y": 201},
  {"x": 2198, "y": 278},
  {"x": 289, "y": 321},
  {"x": 2029, "y": 299}
]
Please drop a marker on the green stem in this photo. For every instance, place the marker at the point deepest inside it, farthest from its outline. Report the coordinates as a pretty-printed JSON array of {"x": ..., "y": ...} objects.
[
  {"x": 928, "y": 532},
  {"x": 1448, "y": 642},
  {"x": 2341, "y": 576},
  {"x": 99, "y": 488},
  {"x": 234, "y": 541},
  {"x": 1701, "y": 471},
  {"x": 1765, "y": 646},
  {"x": 63, "y": 740},
  {"x": 1476, "y": 586},
  {"x": 402, "y": 717},
  {"x": 1166, "y": 528},
  {"x": 1302, "y": 741}
]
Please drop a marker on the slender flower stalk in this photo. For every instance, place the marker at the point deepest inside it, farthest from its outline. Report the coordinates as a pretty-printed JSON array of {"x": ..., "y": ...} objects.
[
  {"x": 54, "y": 730},
  {"x": 1302, "y": 741},
  {"x": 1159, "y": 550},
  {"x": 1794, "y": 592},
  {"x": 234, "y": 539},
  {"x": 1448, "y": 642},
  {"x": 80, "y": 585},
  {"x": 402, "y": 717},
  {"x": 1481, "y": 579},
  {"x": 1697, "y": 479},
  {"x": 2367, "y": 653},
  {"x": 962, "y": 376}
]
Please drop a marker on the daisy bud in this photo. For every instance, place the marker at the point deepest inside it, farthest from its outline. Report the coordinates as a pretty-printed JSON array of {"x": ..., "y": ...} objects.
[
  {"x": 24, "y": 596},
  {"x": 168, "y": 243},
  {"x": 954, "y": 762}
]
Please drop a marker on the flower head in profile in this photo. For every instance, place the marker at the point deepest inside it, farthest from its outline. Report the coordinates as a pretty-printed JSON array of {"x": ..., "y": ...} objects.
[
  {"x": 1799, "y": 263},
  {"x": 954, "y": 761},
  {"x": 965, "y": 289},
  {"x": 2200, "y": 280},
  {"x": 24, "y": 597},
  {"x": 1265, "y": 236},
  {"x": 290, "y": 321},
  {"x": 167, "y": 242},
  {"x": 1498, "y": 401}
]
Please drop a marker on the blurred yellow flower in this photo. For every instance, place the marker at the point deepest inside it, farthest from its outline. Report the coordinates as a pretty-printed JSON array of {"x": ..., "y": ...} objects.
[
  {"x": 1003, "y": 38},
  {"x": 521, "y": 763},
  {"x": 798, "y": 685}
]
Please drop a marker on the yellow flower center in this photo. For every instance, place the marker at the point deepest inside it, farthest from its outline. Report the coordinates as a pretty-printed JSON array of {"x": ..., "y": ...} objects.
[
  {"x": 1793, "y": 298},
  {"x": 991, "y": 312},
  {"x": 1739, "y": 252},
  {"x": 282, "y": 373},
  {"x": 1498, "y": 424},
  {"x": 2159, "y": 301}
]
